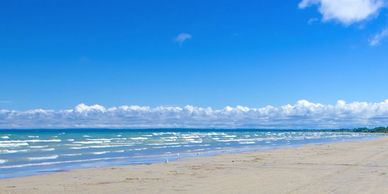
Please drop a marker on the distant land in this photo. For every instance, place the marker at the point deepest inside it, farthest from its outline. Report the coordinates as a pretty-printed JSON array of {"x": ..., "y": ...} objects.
[{"x": 371, "y": 130}]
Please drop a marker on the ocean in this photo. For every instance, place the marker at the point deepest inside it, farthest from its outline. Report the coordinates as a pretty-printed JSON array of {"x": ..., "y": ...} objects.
[{"x": 31, "y": 152}]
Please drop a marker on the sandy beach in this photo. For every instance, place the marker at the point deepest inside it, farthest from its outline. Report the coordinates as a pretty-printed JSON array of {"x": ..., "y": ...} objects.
[{"x": 348, "y": 167}]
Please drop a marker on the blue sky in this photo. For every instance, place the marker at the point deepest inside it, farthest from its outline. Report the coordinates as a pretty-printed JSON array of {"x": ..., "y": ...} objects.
[{"x": 55, "y": 54}]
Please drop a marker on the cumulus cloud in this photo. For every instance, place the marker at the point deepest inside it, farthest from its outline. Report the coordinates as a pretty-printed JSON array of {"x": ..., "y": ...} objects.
[
  {"x": 345, "y": 11},
  {"x": 303, "y": 114},
  {"x": 377, "y": 38},
  {"x": 182, "y": 37}
]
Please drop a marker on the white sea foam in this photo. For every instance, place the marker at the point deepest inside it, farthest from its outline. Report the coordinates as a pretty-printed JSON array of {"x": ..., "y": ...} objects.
[
  {"x": 104, "y": 146},
  {"x": 164, "y": 133},
  {"x": 99, "y": 153},
  {"x": 173, "y": 138},
  {"x": 52, "y": 157},
  {"x": 175, "y": 146},
  {"x": 12, "y": 151},
  {"x": 215, "y": 133},
  {"x": 43, "y": 140},
  {"x": 10, "y": 145},
  {"x": 139, "y": 149},
  {"x": 39, "y": 147},
  {"x": 5, "y": 137},
  {"x": 31, "y": 141},
  {"x": 195, "y": 141},
  {"x": 160, "y": 147},
  {"x": 190, "y": 136},
  {"x": 174, "y": 143},
  {"x": 79, "y": 148},
  {"x": 119, "y": 139},
  {"x": 99, "y": 139},
  {"x": 139, "y": 138},
  {"x": 203, "y": 145},
  {"x": 68, "y": 155},
  {"x": 47, "y": 150},
  {"x": 225, "y": 140},
  {"x": 89, "y": 142},
  {"x": 187, "y": 146},
  {"x": 2, "y": 161},
  {"x": 246, "y": 142}
]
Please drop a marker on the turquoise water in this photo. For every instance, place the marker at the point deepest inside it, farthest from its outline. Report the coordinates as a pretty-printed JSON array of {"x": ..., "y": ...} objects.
[{"x": 30, "y": 152}]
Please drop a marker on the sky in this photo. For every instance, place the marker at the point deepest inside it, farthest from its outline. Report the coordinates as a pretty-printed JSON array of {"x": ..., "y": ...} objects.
[{"x": 58, "y": 55}]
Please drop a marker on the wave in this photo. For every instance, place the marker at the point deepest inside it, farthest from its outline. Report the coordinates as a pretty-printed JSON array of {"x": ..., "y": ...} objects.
[
  {"x": 31, "y": 141},
  {"x": 3, "y": 161},
  {"x": 52, "y": 157},
  {"x": 47, "y": 150},
  {"x": 9, "y": 145},
  {"x": 69, "y": 155},
  {"x": 89, "y": 142},
  {"x": 43, "y": 140},
  {"x": 167, "y": 146},
  {"x": 139, "y": 149},
  {"x": 106, "y": 146},
  {"x": 39, "y": 147},
  {"x": 246, "y": 142},
  {"x": 139, "y": 138},
  {"x": 78, "y": 148},
  {"x": 12, "y": 151},
  {"x": 100, "y": 153},
  {"x": 73, "y": 147},
  {"x": 99, "y": 139},
  {"x": 194, "y": 141}
]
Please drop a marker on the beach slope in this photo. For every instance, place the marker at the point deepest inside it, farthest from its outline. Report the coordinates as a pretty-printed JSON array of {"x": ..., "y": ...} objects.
[{"x": 350, "y": 167}]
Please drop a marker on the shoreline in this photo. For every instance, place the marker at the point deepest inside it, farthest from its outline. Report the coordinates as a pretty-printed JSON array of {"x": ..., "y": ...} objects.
[
  {"x": 174, "y": 157},
  {"x": 342, "y": 167},
  {"x": 37, "y": 153}
]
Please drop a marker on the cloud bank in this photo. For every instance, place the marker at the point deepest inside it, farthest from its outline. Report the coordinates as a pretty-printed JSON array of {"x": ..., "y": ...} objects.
[
  {"x": 303, "y": 114},
  {"x": 345, "y": 11}
]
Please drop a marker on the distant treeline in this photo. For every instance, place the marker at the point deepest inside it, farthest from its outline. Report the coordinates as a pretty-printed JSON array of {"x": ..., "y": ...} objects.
[{"x": 369, "y": 130}]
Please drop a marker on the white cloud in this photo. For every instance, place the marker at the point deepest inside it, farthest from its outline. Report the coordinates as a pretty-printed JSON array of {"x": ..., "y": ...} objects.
[
  {"x": 303, "y": 114},
  {"x": 311, "y": 21},
  {"x": 83, "y": 108},
  {"x": 345, "y": 11},
  {"x": 182, "y": 37},
  {"x": 376, "y": 39}
]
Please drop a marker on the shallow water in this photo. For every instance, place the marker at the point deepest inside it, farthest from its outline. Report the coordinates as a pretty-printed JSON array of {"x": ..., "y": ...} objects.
[{"x": 29, "y": 152}]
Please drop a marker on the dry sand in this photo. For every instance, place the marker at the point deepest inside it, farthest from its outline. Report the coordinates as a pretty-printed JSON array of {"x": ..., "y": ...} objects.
[{"x": 352, "y": 167}]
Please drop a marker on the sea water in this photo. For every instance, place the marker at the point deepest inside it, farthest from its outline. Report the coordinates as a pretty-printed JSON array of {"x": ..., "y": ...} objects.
[{"x": 30, "y": 152}]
